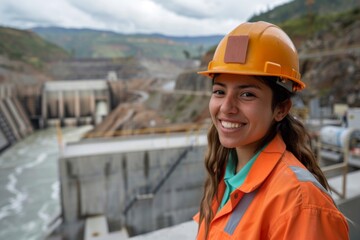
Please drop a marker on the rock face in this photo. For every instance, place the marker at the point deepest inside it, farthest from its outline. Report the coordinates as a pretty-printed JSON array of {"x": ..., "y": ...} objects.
[
  {"x": 192, "y": 81},
  {"x": 330, "y": 64}
]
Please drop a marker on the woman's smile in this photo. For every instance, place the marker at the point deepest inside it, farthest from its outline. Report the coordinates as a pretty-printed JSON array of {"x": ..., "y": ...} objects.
[{"x": 231, "y": 125}]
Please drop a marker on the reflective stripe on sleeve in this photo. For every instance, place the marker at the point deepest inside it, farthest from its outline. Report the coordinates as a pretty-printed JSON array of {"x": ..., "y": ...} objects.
[
  {"x": 304, "y": 175},
  {"x": 239, "y": 212}
]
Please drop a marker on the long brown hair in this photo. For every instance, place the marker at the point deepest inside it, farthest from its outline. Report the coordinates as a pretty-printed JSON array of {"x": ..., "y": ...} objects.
[{"x": 293, "y": 132}]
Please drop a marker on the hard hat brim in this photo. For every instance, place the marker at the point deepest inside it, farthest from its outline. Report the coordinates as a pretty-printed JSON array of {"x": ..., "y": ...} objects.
[{"x": 210, "y": 73}]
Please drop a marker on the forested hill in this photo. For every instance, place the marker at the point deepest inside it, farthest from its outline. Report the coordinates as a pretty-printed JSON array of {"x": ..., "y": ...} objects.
[
  {"x": 89, "y": 43},
  {"x": 27, "y": 46},
  {"x": 298, "y": 8}
]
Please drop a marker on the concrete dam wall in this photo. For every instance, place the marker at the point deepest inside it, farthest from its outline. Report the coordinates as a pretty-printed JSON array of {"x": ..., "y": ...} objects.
[
  {"x": 140, "y": 183},
  {"x": 14, "y": 122}
]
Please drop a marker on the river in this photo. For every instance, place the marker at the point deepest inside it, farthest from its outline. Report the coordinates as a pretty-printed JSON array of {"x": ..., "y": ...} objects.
[{"x": 29, "y": 186}]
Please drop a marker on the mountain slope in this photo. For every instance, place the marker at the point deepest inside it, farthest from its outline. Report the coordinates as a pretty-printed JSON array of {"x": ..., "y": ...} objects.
[
  {"x": 28, "y": 47},
  {"x": 87, "y": 43},
  {"x": 297, "y": 8}
]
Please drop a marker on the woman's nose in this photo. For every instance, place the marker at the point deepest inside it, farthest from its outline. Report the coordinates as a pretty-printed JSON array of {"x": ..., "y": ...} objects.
[{"x": 229, "y": 104}]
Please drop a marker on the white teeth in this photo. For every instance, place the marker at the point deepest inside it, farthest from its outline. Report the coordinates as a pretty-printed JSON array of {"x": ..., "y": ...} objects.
[{"x": 230, "y": 124}]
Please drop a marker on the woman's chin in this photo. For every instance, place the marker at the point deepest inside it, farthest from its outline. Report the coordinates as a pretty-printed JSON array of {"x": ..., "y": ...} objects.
[{"x": 228, "y": 143}]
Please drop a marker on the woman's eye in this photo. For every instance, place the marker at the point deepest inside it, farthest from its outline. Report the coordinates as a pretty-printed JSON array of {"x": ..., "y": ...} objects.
[
  {"x": 247, "y": 94},
  {"x": 218, "y": 92}
]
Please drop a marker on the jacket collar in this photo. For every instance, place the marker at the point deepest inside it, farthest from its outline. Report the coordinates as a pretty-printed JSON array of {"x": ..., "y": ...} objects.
[
  {"x": 259, "y": 171},
  {"x": 264, "y": 164}
]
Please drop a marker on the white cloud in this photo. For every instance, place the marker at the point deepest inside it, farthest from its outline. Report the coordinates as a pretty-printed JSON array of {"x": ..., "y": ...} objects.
[
  {"x": 190, "y": 8},
  {"x": 23, "y": 14},
  {"x": 171, "y": 17}
]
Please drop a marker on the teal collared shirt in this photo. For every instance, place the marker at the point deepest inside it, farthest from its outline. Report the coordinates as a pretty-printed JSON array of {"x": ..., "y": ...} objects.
[{"x": 232, "y": 180}]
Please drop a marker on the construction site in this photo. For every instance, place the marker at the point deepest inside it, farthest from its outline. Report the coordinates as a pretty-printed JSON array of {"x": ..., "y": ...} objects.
[
  {"x": 118, "y": 145},
  {"x": 138, "y": 164}
]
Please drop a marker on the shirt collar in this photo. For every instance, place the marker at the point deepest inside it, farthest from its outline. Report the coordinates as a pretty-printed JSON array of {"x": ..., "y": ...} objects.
[{"x": 236, "y": 179}]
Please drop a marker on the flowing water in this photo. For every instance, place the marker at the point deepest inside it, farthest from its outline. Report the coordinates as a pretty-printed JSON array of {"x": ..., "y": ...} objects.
[{"x": 29, "y": 186}]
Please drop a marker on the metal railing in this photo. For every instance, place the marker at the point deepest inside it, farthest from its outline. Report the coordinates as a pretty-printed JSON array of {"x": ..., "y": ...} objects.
[
  {"x": 341, "y": 166},
  {"x": 187, "y": 128},
  {"x": 340, "y": 152}
]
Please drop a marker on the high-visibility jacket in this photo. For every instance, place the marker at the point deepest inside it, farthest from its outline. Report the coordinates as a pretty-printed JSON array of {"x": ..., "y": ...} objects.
[{"x": 279, "y": 199}]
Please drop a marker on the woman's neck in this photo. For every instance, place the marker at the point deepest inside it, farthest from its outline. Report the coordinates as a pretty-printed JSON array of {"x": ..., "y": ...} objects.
[{"x": 243, "y": 155}]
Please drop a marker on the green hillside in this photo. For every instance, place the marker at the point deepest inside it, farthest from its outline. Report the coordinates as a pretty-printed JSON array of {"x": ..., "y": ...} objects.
[
  {"x": 304, "y": 27},
  {"x": 28, "y": 47},
  {"x": 298, "y": 8},
  {"x": 87, "y": 43},
  {"x": 301, "y": 19}
]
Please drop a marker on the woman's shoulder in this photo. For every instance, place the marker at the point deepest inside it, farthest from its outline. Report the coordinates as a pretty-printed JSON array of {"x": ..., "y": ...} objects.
[
  {"x": 295, "y": 197},
  {"x": 291, "y": 179}
]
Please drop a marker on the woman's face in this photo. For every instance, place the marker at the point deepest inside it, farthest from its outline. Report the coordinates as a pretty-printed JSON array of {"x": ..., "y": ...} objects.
[{"x": 240, "y": 108}]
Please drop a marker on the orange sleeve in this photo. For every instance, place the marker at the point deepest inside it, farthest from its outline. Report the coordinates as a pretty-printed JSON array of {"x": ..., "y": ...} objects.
[
  {"x": 311, "y": 224},
  {"x": 196, "y": 217}
]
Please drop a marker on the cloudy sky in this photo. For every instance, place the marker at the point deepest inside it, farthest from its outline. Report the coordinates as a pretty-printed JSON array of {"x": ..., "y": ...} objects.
[{"x": 171, "y": 17}]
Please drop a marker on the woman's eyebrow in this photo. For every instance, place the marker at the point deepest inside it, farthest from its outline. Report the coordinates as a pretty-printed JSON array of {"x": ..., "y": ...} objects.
[
  {"x": 219, "y": 83},
  {"x": 240, "y": 86}
]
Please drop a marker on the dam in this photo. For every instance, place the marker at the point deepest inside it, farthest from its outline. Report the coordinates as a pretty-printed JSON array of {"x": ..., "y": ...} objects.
[{"x": 142, "y": 183}]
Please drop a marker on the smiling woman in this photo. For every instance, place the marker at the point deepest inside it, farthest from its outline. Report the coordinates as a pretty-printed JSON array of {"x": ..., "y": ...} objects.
[{"x": 263, "y": 180}]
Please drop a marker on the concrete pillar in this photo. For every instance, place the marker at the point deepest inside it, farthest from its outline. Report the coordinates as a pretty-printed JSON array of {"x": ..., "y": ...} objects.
[
  {"x": 77, "y": 106},
  {"x": 23, "y": 115},
  {"x": 92, "y": 105},
  {"x": 9, "y": 119},
  {"x": 61, "y": 105},
  {"x": 43, "y": 108},
  {"x": 19, "y": 121}
]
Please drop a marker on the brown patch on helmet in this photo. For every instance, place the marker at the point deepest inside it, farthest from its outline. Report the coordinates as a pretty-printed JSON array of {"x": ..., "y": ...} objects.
[{"x": 236, "y": 49}]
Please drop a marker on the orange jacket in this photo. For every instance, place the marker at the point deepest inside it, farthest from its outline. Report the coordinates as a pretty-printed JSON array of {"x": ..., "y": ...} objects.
[{"x": 280, "y": 199}]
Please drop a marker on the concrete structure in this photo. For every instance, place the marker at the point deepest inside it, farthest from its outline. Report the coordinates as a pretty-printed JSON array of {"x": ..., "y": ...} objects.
[
  {"x": 145, "y": 183},
  {"x": 14, "y": 122},
  {"x": 74, "y": 102},
  {"x": 142, "y": 183}
]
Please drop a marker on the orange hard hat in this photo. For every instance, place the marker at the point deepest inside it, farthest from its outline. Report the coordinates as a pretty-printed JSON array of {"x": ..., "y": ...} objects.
[{"x": 260, "y": 49}]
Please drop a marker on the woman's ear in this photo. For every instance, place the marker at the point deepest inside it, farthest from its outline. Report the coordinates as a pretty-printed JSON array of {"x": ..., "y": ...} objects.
[{"x": 282, "y": 109}]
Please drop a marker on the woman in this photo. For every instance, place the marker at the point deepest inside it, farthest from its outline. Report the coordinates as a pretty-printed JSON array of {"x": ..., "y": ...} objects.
[{"x": 263, "y": 182}]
